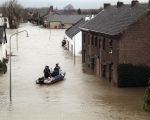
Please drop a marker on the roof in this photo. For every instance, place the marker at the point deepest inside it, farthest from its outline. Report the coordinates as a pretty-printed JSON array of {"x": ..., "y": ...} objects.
[
  {"x": 113, "y": 20},
  {"x": 1, "y": 33},
  {"x": 71, "y": 19},
  {"x": 43, "y": 12},
  {"x": 74, "y": 29}
]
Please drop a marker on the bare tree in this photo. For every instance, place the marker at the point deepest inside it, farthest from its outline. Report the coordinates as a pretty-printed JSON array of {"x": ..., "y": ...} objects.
[{"x": 13, "y": 10}]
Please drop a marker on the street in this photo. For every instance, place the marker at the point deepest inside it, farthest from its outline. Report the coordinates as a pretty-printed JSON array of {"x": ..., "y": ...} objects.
[{"x": 80, "y": 96}]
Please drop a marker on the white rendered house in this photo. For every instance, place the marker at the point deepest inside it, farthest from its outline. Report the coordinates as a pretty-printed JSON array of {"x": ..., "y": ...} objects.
[
  {"x": 3, "y": 43},
  {"x": 74, "y": 37},
  {"x": 74, "y": 44}
]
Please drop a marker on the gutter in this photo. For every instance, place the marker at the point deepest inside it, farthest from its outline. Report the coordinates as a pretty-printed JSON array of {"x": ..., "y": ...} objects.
[
  {"x": 103, "y": 34},
  {"x": 84, "y": 29}
]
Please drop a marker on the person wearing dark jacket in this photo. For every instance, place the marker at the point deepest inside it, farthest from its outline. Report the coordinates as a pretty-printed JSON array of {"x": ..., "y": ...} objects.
[
  {"x": 47, "y": 72},
  {"x": 56, "y": 70}
]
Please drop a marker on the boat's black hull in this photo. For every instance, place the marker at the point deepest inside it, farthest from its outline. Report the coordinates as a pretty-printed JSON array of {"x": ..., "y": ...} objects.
[{"x": 55, "y": 79}]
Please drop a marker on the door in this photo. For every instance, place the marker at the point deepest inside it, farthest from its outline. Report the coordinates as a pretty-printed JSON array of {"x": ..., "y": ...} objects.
[{"x": 110, "y": 72}]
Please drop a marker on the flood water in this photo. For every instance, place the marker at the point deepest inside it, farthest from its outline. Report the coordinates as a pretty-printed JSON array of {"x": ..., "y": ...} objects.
[{"x": 79, "y": 97}]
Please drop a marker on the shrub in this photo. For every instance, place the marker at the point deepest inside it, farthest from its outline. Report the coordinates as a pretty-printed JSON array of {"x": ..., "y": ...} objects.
[
  {"x": 133, "y": 75},
  {"x": 147, "y": 98},
  {"x": 3, "y": 67},
  {"x": 5, "y": 60}
]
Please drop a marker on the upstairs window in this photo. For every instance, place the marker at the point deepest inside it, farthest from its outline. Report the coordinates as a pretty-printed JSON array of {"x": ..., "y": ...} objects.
[
  {"x": 104, "y": 43},
  {"x": 110, "y": 46},
  {"x": 110, "y": 43},
  {"x": 92, "y": 40},
  {"x": 88, "y": 39},
  {"x": 95, "y": 41},
  {"x": 99, "y": 43}
]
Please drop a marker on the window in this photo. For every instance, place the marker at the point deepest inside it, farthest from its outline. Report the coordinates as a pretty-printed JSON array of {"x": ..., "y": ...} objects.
[
  {"x": 92, "y": 40},
  {"x": 110, "y": 43},
  {"x": 92, "y": 63},
  {"x": 88, "y": 39},
  {"x": 104, "y": 44},
  {"x": 104, "y": 71},
  {"x": 95, "y": 41},
  {"x": 110, "y": 46},
  {"x": 99, "y": 43}
]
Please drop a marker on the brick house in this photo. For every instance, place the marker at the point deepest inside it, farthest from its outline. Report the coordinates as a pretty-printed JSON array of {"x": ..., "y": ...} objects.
[{"x": 117, "y": 35}]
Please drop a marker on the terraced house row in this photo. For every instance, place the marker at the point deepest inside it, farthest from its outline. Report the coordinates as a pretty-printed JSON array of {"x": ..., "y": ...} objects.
[{"x": 116, "y": 44}]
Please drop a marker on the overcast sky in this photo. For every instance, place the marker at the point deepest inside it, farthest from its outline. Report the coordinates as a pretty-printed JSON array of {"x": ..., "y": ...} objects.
[{"x": 62, "y": 3}]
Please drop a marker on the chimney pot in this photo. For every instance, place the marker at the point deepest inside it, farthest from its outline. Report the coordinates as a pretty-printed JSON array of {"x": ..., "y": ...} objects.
[
  {"x": 134, "y": 2},
  {"x": 51, "y": 8},
  {"x": 106, "y": 5},
  {"x": 119, "y": 4}
]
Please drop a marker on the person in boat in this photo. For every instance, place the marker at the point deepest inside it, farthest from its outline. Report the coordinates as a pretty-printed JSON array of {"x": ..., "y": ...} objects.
[
  {"x": 56, "y": 70},
  {"x": 63, "y": 43},
  {"x": 47, "y": 72}
]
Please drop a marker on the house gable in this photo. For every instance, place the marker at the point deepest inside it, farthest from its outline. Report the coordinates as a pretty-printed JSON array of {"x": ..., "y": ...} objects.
[{"x": 134, "y": 43}]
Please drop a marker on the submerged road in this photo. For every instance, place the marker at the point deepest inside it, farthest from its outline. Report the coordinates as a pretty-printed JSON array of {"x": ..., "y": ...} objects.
[{"x": 80, "y": 97}]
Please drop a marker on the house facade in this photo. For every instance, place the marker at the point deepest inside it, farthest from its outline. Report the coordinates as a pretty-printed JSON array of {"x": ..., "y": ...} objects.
[{"x": 117, "y": 35}]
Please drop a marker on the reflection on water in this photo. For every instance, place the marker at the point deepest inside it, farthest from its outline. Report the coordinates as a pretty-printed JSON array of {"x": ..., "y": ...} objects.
[{"x": 80, "y": 97}]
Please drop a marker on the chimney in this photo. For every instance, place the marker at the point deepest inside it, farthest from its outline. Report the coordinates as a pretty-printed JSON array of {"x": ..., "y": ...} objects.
[
  {"x": 51, "y": 9},
  {"x": 149, "y": 7},
  {"x": 119, "y": 4},
  {"x": 134, "y": 3},
  {"x": 106, "y": 5}
]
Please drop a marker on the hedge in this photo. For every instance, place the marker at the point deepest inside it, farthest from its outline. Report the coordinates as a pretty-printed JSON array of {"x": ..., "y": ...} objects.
[{"x": 133, "y": 75}]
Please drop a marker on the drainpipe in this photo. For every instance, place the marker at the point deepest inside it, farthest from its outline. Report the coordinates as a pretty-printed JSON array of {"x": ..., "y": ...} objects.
[
  {"x": 149, "y": 6},
  {"x": 100, "y": 60},
  {"x": 74, "y": 51}
]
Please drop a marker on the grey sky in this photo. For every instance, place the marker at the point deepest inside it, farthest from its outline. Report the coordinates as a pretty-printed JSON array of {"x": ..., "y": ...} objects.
[{"x": 62, "y": 3}]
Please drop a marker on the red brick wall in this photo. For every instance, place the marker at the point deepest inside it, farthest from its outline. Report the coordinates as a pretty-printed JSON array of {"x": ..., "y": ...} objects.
[
  {"x": 92, "y": 51},
  {"x": 106, "y": 58},
  {"x": 134, "y": 45}
]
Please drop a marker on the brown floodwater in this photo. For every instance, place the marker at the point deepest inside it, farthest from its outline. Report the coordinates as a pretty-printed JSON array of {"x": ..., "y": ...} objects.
[{"x": 80, "y": 96}]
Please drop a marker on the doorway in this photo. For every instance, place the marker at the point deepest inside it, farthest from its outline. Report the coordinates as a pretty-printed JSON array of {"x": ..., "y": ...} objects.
[{"x": 110, "y": 72}]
